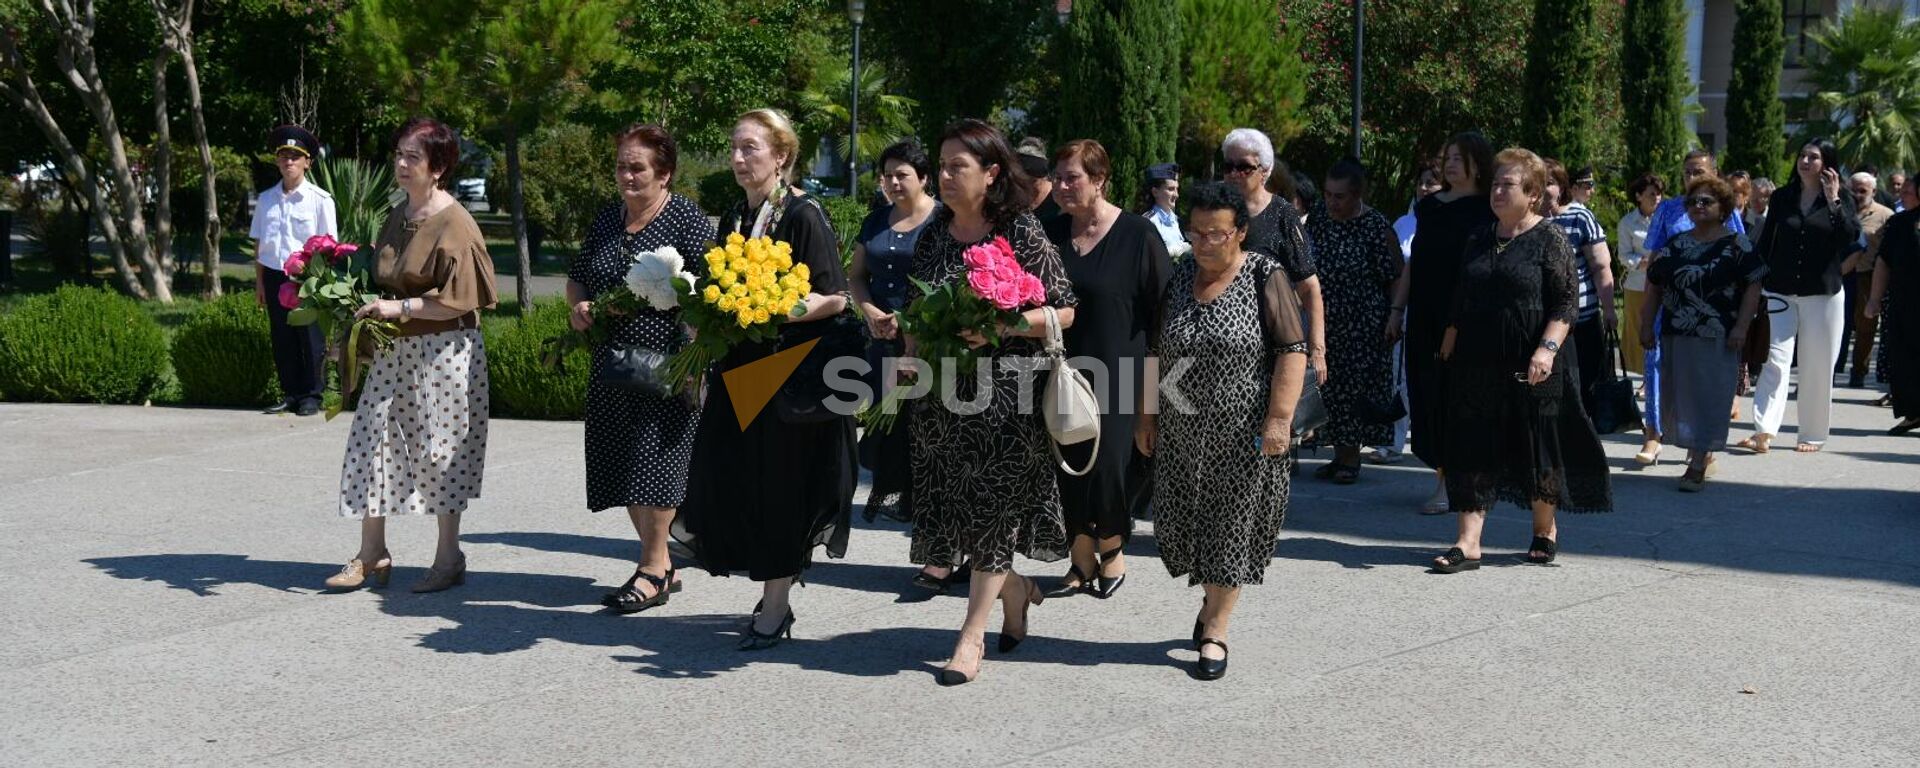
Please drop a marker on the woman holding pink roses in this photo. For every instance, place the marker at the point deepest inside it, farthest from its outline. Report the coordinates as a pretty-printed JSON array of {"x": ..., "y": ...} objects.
[
  {"x": 638, "y": 445},
  {"x": 1119, "y": 265},
  {"x": 983, "y": 480},
  {"x": 419, "y": 439}
]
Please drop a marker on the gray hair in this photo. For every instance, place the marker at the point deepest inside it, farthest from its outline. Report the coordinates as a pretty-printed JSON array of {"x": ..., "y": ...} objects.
[
  {"x": 1868, "y": 178},
  {"x": 1764, "y": 186},
  {"x": 1245, "y": 139}
]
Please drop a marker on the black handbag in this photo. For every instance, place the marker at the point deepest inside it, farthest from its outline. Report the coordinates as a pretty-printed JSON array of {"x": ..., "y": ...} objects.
[
  {"x": 805, "y": 398},
  {"x": 1310, "y": 413},
  {"x": 1613, "y": 408},
  {"x": 638, "y": 369},
  {"x": 1386, "y": 409}
]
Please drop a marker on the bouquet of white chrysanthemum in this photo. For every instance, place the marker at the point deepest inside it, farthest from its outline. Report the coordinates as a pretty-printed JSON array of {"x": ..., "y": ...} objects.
[{"x": 655, "y": 279}]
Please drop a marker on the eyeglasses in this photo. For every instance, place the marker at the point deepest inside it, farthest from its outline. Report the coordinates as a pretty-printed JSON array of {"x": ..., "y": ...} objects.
[
  {"x": 1702, "y": 201},
  {"x": 1215, "y": 237},
  {"x": 1239, "y": 169}
]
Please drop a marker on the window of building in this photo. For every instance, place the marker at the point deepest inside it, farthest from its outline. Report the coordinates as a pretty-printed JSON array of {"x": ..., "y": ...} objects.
[{"x": 1800, "y": 17}]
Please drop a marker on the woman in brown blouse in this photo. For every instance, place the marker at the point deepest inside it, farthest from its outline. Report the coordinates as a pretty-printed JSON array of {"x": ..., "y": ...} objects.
[{"x": 419, "y": 439}]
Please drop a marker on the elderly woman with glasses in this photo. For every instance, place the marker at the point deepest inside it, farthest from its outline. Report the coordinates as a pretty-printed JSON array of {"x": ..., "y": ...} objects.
[{"x": 1275, "y": 230}]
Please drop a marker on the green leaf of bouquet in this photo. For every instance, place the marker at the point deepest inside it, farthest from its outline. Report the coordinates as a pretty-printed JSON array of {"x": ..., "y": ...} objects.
[{"x": 303, "y": 316}]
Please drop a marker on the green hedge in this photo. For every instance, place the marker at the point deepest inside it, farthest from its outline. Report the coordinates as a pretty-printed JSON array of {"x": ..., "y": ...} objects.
[
  {"x": 223, "y": 355},
  {"x": 81, "y": 345},
  {"x": 522, "y": 387}
]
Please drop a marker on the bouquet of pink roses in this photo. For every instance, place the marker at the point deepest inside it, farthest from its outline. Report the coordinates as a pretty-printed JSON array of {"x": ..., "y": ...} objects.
[
  {"x": 326, "y": 291},
  {"x": 992, "y": 295}
]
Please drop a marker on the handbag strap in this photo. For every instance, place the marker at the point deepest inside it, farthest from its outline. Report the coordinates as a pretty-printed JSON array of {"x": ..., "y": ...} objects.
[
  {"x": 1061, "y": 459},
  {"x": 1055, "y": 346}
]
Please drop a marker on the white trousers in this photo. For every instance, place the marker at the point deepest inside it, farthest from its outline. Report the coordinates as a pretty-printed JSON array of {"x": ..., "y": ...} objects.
[{"x": 1815, "y": 322}]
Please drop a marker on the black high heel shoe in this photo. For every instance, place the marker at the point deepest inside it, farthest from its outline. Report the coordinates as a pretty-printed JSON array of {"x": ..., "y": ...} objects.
[
  {"x": 755, "y": 641},
  {"x": 1104, "y": 586},
  {"x": 1081, "y": 583},
  {"x": 1211, "y": 669},
  {"x": 1009, "y": 641}
]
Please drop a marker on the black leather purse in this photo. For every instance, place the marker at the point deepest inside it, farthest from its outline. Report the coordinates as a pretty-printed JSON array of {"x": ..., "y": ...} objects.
[
  {"x": 1385, "y": 409},
  {"x": 1311, "y": 412},
  {"x": 637, "y": 369},
  {"x": 1613, "y": 408},
  {"x": 805, "y": 398}
]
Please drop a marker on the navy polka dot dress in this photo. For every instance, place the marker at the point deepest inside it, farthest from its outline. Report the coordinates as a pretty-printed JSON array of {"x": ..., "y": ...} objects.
[{"x": 638, "y": 447}]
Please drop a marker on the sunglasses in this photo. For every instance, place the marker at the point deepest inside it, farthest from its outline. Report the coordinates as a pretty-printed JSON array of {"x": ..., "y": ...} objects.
[
  {"x": 1702, "y": 201},
  {"x": 1235, "y": 169}
]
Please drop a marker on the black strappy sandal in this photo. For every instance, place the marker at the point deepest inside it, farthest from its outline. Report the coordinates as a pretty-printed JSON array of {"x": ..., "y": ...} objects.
[
  {"x": 755, "y": 641},
  {"x": 1211, "y": 669},
  {"x": 1542, "y": 544},
  {"x": 1455, "y": 561},
  {"x": 1104, "y": 586},
  {"x": 941, "y": 584},
  {"x": 1081, "y": 583},
  {"x": 626, "y": 599}
]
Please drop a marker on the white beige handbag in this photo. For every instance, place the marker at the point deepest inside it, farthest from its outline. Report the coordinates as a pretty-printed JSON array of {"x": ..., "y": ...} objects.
[{"x": 1068, "y": 404}]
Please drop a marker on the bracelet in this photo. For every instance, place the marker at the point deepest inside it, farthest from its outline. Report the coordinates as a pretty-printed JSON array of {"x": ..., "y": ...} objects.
[{"x": 406, "y": 310}]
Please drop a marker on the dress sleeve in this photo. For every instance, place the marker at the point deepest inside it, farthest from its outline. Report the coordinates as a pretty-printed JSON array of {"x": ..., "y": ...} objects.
[
  {"x": 1559, "y": 282},
  {"x": 815, "y": 245},
  {"x": 1037, "y": 254},
  {"x": 1155, "y": 268},
  {"x": 695, "y": 238},
  {"x": 1661, "y": 273},
  {"x": 463, "y": 271},
  {"x": 1749, "y": 264},
  {"x": 1280, "y": 314}
]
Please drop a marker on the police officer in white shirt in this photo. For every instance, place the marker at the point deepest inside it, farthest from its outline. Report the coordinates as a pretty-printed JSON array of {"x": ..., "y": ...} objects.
[{"x": 287, "y": 214}]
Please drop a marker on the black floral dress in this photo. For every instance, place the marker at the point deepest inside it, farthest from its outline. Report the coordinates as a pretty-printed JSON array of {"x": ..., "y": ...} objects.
[
  {"x": 1218, "y": 501},
  {"x": 983, "y": 483},
  {"x": 638, "y": 447},
  {"x": 1358, "y": 260},
  {"x": 1506, "y": 440}
]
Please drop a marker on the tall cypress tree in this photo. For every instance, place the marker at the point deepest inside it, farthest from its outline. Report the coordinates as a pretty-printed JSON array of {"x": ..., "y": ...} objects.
[
  {"x": 1756, "y": 118},
  {"x": 1654, "y": 85},
  {"x": 1120, "y": 85},
  {"x": 1560, "y": 63}
]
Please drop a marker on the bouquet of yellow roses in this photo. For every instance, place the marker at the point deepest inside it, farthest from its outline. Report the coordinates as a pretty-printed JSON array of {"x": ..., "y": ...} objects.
[{"x": 749, "y": 285}]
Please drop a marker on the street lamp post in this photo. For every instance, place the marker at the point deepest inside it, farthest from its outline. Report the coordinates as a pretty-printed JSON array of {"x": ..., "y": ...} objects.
[
  {"x": 1359, "y": 47},
  {"x": 856, "y": 13}
]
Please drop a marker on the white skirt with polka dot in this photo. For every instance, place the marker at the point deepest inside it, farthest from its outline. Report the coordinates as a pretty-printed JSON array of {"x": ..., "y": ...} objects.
[{"x": 419, "y": 440}]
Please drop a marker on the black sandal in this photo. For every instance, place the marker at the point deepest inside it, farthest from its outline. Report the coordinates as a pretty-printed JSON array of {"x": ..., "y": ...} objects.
[
  {"x": 1081, "y": 583},
  {"x": 1345, "y": 474},
  {"x": 1455, "y": 561},
  {"x": 626, "y": 599},
  {"x": 1542, "y": 544},
  {"x": 940, "y": 584}
]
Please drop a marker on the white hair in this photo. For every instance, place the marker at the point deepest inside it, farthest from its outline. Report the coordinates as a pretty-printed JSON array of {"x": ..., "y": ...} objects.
[
  {"x": 1244, "y": 139},
  {"x": 1867, "y": 178}
]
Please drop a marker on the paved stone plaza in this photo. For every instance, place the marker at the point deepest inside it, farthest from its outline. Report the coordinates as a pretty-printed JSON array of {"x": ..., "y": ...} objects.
[{"x": 161, "y": 570}]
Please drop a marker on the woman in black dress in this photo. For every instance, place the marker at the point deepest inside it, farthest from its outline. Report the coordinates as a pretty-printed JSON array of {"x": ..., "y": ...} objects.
[
  {"x": 1359, "y": 261},
  {"x": 1514, "y": 428},
  {"x": 1898, "y": 274},
  {"x": 1443, "y": 221},
  {"x": 1275, "y": 230},
  {"x": 763, "y": 496},
  {"x": 1118, "y": 264},
  {"x": 638, "y": 446},
  {"x": 983, "y": 483},
  {"x": 882, "y": 256}
]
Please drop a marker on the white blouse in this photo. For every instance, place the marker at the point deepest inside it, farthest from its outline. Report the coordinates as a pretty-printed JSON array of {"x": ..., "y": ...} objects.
[{"x": 1633, "y": 248}]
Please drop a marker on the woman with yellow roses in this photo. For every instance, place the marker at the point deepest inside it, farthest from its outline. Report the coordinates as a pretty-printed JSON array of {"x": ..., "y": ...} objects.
[{"x": 770, "y": 483}]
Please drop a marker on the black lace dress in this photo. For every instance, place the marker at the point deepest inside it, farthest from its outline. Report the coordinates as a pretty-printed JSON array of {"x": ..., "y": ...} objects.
[{"x": 1506, "y": 440}]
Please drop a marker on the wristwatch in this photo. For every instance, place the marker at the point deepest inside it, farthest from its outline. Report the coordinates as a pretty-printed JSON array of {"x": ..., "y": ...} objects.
[{"x": 1550, "y": 344}]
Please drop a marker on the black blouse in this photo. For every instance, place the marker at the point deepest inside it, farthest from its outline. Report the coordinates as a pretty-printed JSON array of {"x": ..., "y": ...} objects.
[{"x": 1803, "y": 251}]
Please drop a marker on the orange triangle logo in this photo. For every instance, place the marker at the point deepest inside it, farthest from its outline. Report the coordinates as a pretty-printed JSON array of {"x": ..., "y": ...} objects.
[{"x": 752, "y": 385}]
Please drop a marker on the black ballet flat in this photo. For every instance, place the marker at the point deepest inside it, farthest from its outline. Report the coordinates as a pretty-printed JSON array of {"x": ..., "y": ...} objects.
[
  {"x": 1211, "y": 669},
  {"x": 1905, "y": 426},
  {"x": 1455, "y": 561}
]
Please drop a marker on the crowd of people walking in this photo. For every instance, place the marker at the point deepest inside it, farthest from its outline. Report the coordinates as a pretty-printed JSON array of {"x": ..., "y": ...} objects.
[{"x": 1294, "y": 309}]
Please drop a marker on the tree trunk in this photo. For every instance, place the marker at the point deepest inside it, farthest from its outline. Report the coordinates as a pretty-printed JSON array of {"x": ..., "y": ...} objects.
[
  {"x": 26, "y": 95},
  {"x": 210, "y": 235},
  {"x": 516, "y": 202},
  {"x": 162, "y": 171}
]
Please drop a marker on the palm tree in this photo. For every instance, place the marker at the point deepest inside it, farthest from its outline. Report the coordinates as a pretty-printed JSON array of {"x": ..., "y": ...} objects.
[
  {"x": 1864, "y": 77},
  {"x": 884, "y": 117}
]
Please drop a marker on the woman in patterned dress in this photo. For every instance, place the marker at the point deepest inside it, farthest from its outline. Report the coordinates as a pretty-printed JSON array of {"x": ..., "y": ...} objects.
[
  {"x": 419, "y": 439},
  {"x": 1514, "y": 430},
  {"x": 1359, "y": 261},
  {"x": 638, "y": 446},
  {"x": 1232, "y": 361},
  {"x": 983, "y": 483}
]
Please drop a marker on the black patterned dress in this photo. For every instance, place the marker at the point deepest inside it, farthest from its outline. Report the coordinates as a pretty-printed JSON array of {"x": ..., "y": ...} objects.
[
  {"x": 638, "y": 447},
  {"x": 1218, "y": 501},
  {"x": 983, "y": 483},
  {"x": 1507, "y": 440},
  {"x": 1358, "y": 261}
]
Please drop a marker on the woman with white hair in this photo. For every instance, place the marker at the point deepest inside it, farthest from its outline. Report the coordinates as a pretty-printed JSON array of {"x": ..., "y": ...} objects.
[{"x": 1275, "y": 231}]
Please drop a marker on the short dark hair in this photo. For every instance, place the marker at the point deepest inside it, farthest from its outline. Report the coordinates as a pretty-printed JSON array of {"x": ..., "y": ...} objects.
[
  {"x": 911, "y": 154},
  {"x": 1478, "y": 153},
  {"x": 1280, "y": 181},
  {"x": 1721, "y": 191},
  {"x": 1641, "y": 184},
  {"x": 666, "y": 152},
  {"x": 437, "y": 141},
  {"x": 1697, "y": 153},
  {"x": 1350, "y": 171},
  {"x": 1557, "y": 176},
  {"x": 1218, "y": 196},
  {"x": 1306, "y": 190},
  {"x": 1093, "y": 158},
  {"x": 1011, "y": 193}
]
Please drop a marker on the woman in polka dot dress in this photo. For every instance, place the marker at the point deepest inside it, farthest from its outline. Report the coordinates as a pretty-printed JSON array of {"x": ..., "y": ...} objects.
[{"x": 638, "y": 446}]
